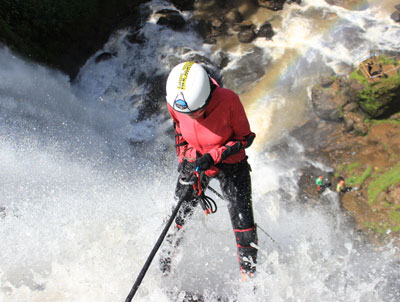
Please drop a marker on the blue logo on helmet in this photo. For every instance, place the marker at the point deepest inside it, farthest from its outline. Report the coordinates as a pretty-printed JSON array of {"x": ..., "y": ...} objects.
[{"x": 180, "y": 102}]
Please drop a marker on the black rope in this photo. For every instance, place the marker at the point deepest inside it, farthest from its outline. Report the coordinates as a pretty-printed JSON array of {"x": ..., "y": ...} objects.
[
  {"x": 208, "y": 204},
  {"x": 155, "y": 249}
]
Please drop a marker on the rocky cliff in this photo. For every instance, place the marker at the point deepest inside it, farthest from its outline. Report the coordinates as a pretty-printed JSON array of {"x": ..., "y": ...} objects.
[{"x": 357, "y": 133}]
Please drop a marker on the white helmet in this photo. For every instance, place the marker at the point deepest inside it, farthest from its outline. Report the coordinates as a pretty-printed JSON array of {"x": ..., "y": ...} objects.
[{"x": 188, "y": 87}]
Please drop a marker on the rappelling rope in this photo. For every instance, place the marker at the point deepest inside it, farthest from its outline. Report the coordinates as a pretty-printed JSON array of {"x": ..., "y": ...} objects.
[{"x": 208, "y": 204}]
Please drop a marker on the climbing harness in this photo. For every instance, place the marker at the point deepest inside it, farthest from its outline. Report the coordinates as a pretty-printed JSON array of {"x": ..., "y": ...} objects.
[{"x": 207, "y": 203}]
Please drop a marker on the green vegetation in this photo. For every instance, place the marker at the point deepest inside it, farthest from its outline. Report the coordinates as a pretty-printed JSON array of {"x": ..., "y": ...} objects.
[
  {"x": 355, "y": 178},
  {"x": 357, "y": 75},
  {"x": 358, "y": 180},
  {"x": 383, "y": 121},
  {"x": 382, "y": 228},
  {"x": 376, "y": 96},
  {"x": 60, "y": 32},
  {"x": 382, "y": 182},
  {"x": 385, "y": 60}
]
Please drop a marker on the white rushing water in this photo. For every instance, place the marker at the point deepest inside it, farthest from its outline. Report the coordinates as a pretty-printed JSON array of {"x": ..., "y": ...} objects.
[{"x": 84, "y": 188}]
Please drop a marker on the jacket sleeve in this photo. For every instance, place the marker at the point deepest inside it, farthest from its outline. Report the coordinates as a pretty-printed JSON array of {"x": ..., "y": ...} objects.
[
  {"x": 181, "y": 145},
  {"x": 242, "y": 136}
]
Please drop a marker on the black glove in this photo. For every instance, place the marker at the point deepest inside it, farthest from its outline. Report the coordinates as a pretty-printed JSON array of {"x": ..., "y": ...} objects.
[{"x": 204, "y": 163}]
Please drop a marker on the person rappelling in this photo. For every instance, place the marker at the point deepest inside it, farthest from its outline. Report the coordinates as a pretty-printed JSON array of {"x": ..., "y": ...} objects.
[
  {"x": 211, "y": 134},
  {"x": 322, "y": 184}
]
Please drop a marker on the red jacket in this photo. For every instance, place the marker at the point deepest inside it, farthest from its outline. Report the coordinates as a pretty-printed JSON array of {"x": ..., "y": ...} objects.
[{"x": 223, "y": 131}]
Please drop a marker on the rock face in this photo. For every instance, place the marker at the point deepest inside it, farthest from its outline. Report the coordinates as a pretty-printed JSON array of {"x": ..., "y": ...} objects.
[
  {"x": 64, "y": 34},
  {"x": 171, "y": 18},
  {"x": 183, "y": 5},
  {"x": 354, "y": 100},
  {"x": 225, "y": 20},
  {"x": 365, "y": 151},
  {"x": 272, "y": 4}
]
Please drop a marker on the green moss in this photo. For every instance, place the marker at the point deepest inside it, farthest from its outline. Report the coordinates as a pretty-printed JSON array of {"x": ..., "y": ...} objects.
[
  {"x": 375, "y": 96},
  {"x": 383, "y": 121},
  {"x": 382, "y": 182},
  {"x": 385, "y": 60},
  {"x": 359, "y": 179},
  {"x": 357, "y": 75},
  {"x": 352, "y": 167},
  {"x": 340, "y": 111},
  {"x": 382, "y": 228},
  {"x": 395, "y": 214},
  {"x": 378, "y": 228}
]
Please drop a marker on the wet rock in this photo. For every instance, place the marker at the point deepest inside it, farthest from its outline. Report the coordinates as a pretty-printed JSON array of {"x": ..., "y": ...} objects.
[
  {"x": 351, "y": 107},
  {"x": 397, "y": 6},
  {"x": 217, "y": 23},
  {"x": 183, "y": 4},
  {"x": 356, "y": 117},
  {"x": 246, "y": 24},
  {"x": 360, "y": 129},
  {"x": 171, "y": 18},
  {"x": 152, "y": 102},
  {"x": 324, "y": 106},
  {"x": 210, "y": 40},
  {"x": 348, "y": 124},
  {"x": 105, "y": 56},
  {"x": 395, "y": 16},
  {"x": 266, "y": 31},
  {"x": 221, "y": 60},
  {"x": 233, "y": 16},
  {"x": 223, "y": 3},
  {"x": 250, "y": 68},
  {"x": 246, "y": 35},
  {"x": 327, "y": 81},
  {"x": 395, "y": 116},
  {"x": 272, "y": 4},
  {"x": 137, "y": 37}
]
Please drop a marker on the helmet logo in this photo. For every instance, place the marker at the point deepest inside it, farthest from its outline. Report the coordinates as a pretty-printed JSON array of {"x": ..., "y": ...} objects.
[
  {"x": 180, "y": 102},
  {"x": 183, "y": 76}
]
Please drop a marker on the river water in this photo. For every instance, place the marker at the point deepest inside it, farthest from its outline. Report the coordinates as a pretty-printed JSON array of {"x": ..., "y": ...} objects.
[{"x": 86, "y": 181}]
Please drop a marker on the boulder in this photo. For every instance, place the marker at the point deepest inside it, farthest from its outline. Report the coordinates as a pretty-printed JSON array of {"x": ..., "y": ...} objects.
[
  {"x": 327, "y": 81},
  {"x": 183, "y": 5},
  {"x": 216, "y": 23},
  {"x": 351, "y": 107},
  {"x": 348, "y": 124},
  {"x": 233, "y": 16},
  {"x": 246, "y": 71},
  {"x": 323, "y": 105},
  {"x": 246, "y": 24},
  {"x": 395, "y": 16},
  {"x": 265, "y": 31},
  {"x": 105, "y": 56},
  {"x": 171, "y": 18},
  {"x": 360, "y": 129},
  {"x": 272, "y": 4},
  {"x": 246, "y": 35}
]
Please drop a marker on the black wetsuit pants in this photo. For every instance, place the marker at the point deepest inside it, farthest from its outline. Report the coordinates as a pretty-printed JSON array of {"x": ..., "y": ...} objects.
[{"x": 235, "y": 184}]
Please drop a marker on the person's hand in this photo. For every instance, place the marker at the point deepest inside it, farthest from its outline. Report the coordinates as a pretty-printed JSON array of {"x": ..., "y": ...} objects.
[{"x": 204, "y": 163}]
